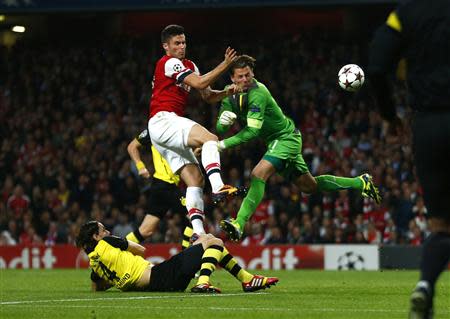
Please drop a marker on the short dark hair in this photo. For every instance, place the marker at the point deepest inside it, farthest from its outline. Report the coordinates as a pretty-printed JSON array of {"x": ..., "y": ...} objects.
[
  {"x": 170, "y": 31},
  {"x": 242, "y": 62},
  {"x": 85, "y": 238}
]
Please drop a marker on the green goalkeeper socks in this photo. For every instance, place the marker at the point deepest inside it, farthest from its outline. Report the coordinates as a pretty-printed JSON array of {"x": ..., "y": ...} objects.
[
  {"x": 329, "y": 183},
  {"x": 251, "y": 201}
]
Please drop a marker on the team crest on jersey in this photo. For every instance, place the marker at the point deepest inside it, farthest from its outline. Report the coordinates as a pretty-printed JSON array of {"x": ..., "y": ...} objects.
[{"x": 177, "y": 67}]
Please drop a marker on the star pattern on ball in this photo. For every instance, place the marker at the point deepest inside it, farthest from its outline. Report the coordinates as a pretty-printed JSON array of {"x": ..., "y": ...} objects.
[{"x": 359, "y": 76}]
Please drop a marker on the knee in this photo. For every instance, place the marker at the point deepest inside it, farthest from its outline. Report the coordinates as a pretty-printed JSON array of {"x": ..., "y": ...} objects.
[
  {"x": 260, "y": 173},
  {"x": 200, "y": 180},
  {"x": 257, "y": 173},
  {"x": 307, "y": 186},
  {"x": 210, "y": 137},
  {"x": 213, "y": 241},
  {"x": 146, "y": 230}
]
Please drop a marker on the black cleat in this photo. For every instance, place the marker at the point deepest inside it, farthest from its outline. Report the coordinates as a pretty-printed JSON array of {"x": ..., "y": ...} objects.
[
  {"x": 420, "y": 307},
  {"x": 231, "y": 228}
]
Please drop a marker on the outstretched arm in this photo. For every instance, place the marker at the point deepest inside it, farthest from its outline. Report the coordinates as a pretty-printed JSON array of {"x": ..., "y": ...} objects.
[
  {"x": 211, "y": 96},
  {"x": 243, "y": 136},
  {"x": 201, "y": 82},
  {"x": 255, "y": 119}
]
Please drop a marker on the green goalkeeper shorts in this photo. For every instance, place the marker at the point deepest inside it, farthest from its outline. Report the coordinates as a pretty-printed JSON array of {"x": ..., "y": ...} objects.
[{"x": 285, "y": 154}]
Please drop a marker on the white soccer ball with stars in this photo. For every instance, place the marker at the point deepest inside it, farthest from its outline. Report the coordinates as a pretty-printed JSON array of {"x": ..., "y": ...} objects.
[{"x": 351, "y": 77}]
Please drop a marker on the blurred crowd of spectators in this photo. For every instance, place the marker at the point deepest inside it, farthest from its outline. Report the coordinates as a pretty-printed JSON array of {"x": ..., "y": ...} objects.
[{"x": 68, "y": 113}]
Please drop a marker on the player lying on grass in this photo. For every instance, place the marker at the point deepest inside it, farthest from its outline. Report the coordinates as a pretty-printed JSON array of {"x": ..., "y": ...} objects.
[
  {"x": 261, "y": 117},
  {"x": 118, "y": 262}
]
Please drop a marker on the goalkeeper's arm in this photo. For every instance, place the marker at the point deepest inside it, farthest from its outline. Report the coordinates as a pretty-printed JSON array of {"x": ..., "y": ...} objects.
[{"x": 245, "y": 135}]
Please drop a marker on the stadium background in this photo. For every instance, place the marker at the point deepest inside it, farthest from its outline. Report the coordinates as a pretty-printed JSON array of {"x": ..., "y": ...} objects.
[{"x": 75, "y": 88}]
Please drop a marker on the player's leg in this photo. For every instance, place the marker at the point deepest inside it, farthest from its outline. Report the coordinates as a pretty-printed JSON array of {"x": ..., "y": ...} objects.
[
  {"x": 169, "y": 134},
  {"x": 213, "y": 250},
  {"x": 145, "y": 230},
  {"x": 434, "y": 174},
  {"x": 187, "y": 235},
  {"x": 159, "y": 199},
  {"x": 201, "y": 137},
  {"x": 363, "y": 183},
  {"x": 329, "y": 183},
  {"x": 193, "y": 178},
  {"x": 262, "y": 171}
]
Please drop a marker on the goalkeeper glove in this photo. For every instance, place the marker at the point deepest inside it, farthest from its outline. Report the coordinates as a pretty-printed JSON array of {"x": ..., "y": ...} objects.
[{"x": 227, "y": 118}]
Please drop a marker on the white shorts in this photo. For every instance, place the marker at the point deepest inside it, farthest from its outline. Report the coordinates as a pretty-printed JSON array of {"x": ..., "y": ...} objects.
[{"x": 169, "y": 134}]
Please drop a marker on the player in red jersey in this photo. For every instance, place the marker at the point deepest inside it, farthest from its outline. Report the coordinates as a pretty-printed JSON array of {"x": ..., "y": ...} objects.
[{"x": 175, "y": 136}]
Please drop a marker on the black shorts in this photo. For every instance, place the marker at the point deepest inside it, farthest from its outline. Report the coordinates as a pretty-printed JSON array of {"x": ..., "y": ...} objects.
[
  {"x": 431, "y": 145},
  {"x": 176, "y": 273},
  {"x": 163, "y": 196}
]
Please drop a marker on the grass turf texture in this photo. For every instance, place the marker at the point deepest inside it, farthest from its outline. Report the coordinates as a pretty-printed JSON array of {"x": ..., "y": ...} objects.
[{"x": 299, "y": 294}]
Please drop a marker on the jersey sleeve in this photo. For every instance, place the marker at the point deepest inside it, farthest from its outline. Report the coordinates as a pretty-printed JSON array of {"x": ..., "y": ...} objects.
[
  {"x": 176, "y": 70},
  {"x": 95, "y": 277},
  {"x": 117, "y": 242},
  {"x": 255, "y": 118},
  {"x": 385, "y": 52},
  {"x": 256, "y": 109},
  {"x": 196, "y": 69},
  {"x": 144, "y": 138},
  {"x": 225, "y": 106}
]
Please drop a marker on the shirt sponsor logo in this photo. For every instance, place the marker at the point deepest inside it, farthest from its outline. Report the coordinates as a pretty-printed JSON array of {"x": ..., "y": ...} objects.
[{"x": 123, "y": 280}]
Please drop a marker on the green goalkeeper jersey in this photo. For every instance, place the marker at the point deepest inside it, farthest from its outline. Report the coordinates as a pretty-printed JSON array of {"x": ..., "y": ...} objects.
[{"x": 258, "y": 113}]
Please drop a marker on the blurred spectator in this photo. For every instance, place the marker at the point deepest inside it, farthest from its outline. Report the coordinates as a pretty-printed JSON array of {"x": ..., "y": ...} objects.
[
  {"x": 18, "y": 202},
  {"x": 70, "y": 112},
  {"x": 123, "y": 228}
]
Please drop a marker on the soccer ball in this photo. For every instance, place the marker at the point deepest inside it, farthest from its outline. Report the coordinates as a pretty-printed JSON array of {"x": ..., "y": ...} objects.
[
  {"x": 351, "y": 77},
  {"x": 351, "y": 261}
]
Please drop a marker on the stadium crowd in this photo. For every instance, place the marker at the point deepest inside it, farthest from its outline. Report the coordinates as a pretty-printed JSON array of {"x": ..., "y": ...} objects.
[{"x": 68, "y": 113}]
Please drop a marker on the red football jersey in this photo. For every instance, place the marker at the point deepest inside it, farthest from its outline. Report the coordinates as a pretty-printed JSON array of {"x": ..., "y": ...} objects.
[{"x": 169, "y": 92}]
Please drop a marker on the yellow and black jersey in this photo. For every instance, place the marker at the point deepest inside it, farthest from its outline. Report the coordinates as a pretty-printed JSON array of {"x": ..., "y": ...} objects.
[
  {"x": 111, "y": 261},
  {"x": 162, "y": 168}
]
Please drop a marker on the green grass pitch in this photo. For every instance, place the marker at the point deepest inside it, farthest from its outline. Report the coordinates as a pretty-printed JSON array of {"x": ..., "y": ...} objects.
[{"x": 299, "y": 294}]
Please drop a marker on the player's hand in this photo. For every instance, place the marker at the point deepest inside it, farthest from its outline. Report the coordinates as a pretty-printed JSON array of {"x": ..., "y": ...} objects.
[
  {"x": 143, "y": 172},
  {"x": 221, "y": 145},
  {"x": 230, "y": 56},
  {"x": 234, "y": 89},
  {"x": 227, "y": 118}
]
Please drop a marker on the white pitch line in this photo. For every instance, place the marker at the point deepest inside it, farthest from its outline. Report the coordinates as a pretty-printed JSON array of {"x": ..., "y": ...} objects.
[
  {"x": 314, "y": 310},
  {"x": 21, "y": 302}
]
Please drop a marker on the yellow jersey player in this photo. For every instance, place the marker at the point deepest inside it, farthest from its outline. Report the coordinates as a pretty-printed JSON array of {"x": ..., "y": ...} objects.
[
  {"x": 164, "y": 194},
  {"x": 119, "y": 262}
]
